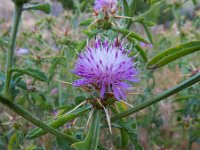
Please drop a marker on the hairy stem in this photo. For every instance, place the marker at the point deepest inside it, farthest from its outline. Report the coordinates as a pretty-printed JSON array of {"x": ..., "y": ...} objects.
[
  {"x": 11, "y": 47},
  {"x": 185, "y": 84}
]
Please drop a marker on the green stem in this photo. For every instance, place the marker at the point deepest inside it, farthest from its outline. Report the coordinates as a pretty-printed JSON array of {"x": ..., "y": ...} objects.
[
  {"x": 132, "y": 12},
  {"x": 92, "y": 138},
  {"x": 11, "y": 46},
  {"x": 69, "y": 74},
  {"x": 190, "y": 145},
  {"x": 187, "y": 83},
  {"x": 20, "y": 111},
  {"x": 17, "y": 109}
]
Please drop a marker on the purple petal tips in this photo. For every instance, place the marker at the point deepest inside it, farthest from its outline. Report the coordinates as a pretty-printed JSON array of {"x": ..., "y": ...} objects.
[
  {"x": 105, "y": 5},
  {"x": 108, "y": 66}
]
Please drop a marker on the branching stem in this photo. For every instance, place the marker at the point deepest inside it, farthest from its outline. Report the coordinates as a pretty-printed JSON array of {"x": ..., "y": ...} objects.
[{"x": 11, "y": 47}]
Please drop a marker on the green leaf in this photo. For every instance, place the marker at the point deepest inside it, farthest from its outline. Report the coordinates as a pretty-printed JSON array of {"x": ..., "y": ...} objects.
[
  {"x": 80, "y": 99},
  {"x": 194, "y": 2},
  {"x": 16, "y": 81},
  {"x": 139, "y": 49},
  {"x": 130, "y": 127},
  {"x": 2, "y": 76},
  {"x": 92, "y": 138},
  {"x": 156, "y": 99},
  {"x": 35, "y": 73},
  {"x": 104, "y": 24},
  {"x": 81, "y": 45},
  {"x": 3, "y": 42},
  {"x": 148, "y": 23},
  {"x": 131, "y": 34},
  {"x": 133, "y": 6},
  {"x": 20, "y": 111},
  {"x": 92, "y": 33},
  {"x": 83, "y": 5},
  {"x": 147, "y": 14},
  {"x": 121, "y": 106},
  {"x": 11, "y": 144},
  {"x": 124, "y": 139},
  {"x": 138, "y": 147},
  {"x": 149, "y": 35},
  {"x": 172, "y": 54},
  {"x": 126, "y": 8},
  {"x": 46, "y": 8},
  {"x": 57, "y": 122},
  {"x": 86, "y": 22},
  {"x": 66, "y": 41},
  {"x": 63, "y": 145},
  {"x": 52, "y": 69}
]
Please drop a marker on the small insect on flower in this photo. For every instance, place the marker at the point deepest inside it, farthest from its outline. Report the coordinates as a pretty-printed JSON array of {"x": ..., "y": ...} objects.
[
  {"x": 108, "y": 67},
  {"x": 107, "y": 6}
]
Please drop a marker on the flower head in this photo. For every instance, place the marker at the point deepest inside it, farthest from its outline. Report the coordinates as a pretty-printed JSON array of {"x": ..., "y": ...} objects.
[
  {"x": 105, "y": 5},
  {"x": 107, "y": 66}
]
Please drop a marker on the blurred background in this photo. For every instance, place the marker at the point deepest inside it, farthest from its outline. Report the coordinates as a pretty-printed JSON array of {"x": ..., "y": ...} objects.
[{"x": 43, "y": 41}]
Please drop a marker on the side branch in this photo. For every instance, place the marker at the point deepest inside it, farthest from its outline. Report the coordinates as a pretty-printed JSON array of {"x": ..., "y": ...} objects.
[
  {"x": 20, "y": 111},
  {"x": 181, "y": 86}
]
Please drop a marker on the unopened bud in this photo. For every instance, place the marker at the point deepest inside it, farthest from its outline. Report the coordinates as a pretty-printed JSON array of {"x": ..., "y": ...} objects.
[{"x": 28, "y": 82}]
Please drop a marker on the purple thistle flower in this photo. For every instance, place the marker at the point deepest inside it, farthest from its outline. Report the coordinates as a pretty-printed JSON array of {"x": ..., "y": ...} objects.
[
  {"x": 105, "y": 5},
  {"x": 108, "y": 66}
]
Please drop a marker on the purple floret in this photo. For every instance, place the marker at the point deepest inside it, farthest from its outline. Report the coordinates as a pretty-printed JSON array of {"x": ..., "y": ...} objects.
[
  {"x": 106, "y": 5},
  {"x": 108, "y": 66}
]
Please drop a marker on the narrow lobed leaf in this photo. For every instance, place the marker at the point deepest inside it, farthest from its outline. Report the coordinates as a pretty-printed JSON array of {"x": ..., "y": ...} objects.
[
  {"x": 57, "y": 122},
  {"x": 126, "y": 8},
  {"x": 132, "y": 34},
  {"x": 148, "y": 32},
  {"x": 139, "y": 49},
  {"x": 86, "y": 22},
  {"x": 172, "y": 54},
  {"x": 92, "y": 137},
  {"x": 35, "y": 73},
  {"x": 20, "y": 111},
  {"x": 46, "y": 8}
]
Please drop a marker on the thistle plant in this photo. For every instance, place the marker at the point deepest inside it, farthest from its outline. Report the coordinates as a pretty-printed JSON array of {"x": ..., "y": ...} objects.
[
  {"x": 107, "y": 67},
  {"x": 92, "y": 80}
]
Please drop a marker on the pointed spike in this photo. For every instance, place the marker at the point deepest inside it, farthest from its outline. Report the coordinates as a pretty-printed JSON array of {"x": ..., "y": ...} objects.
[
  {"x": 108, "y": 119},
  {"x": 89, "y": 119},
  {"x": 82, "y": 103}
]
